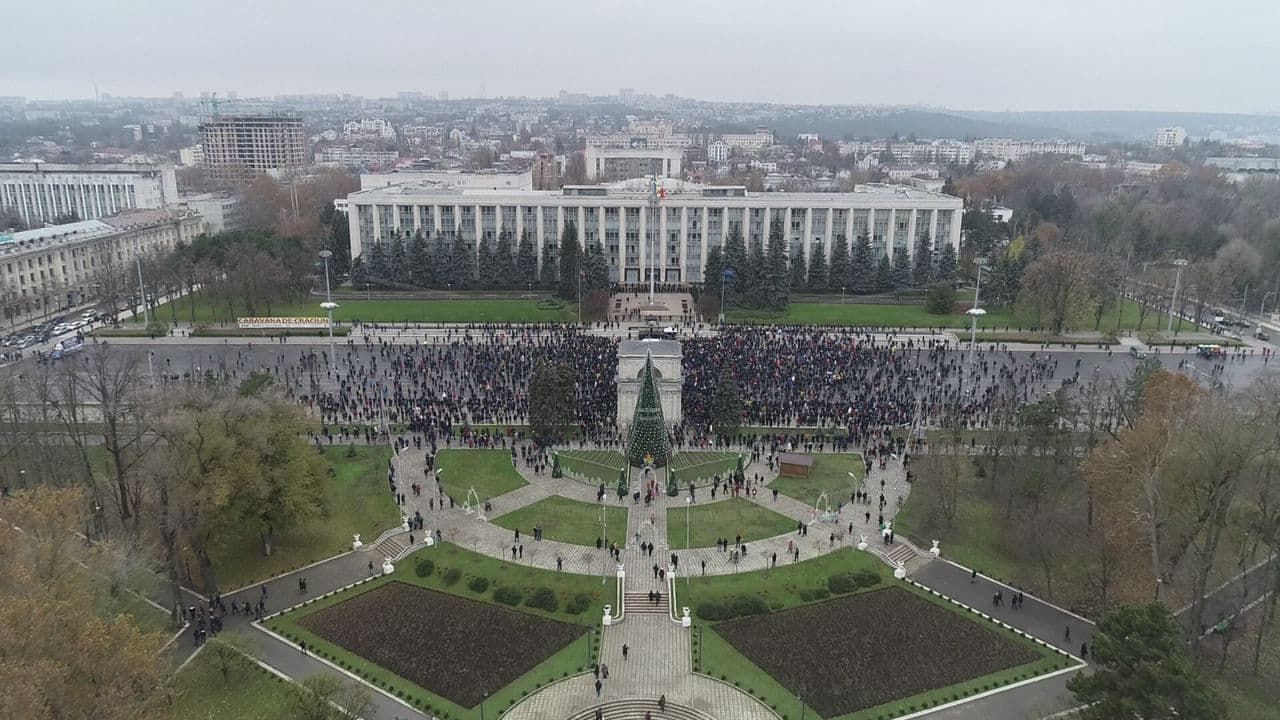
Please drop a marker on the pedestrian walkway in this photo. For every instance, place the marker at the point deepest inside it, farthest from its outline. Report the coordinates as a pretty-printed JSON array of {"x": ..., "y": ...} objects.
[{"x": 658, "y": 659}]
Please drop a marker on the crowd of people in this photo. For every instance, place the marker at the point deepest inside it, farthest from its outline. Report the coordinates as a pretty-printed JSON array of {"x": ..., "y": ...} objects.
[{"x": 857, "y": 386}]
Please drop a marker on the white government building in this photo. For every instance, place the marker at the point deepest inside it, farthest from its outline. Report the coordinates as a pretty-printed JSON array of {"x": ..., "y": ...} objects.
[
  {"x": 41, "y": 192},
  {"x": 691, "y": 219}
]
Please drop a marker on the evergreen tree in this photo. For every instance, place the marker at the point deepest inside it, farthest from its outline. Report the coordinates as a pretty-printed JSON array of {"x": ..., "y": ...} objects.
[
  {"x": 776, "y": 276},
  {"x": 570, "y": 255},
  {"x": 726, "y": 405},
  {"x": 735, "y": 258},
  {"x": 595, "y": 270},
  {"x": 754, "y": 294},
  {"x": 358, "y": 272},
  {"x": 442, "y": 259},
  {"x": 647, "y": 439},
  {"x": 884, "y": 275},
  {"x": 526, "y": 261},
  {"x": 799, "y": 268},
  {"x": 547, "y": 275},
  {"x": 486, "y": 258},
  {"x": 421, "y": 269},
  {"x": 713, "y": 273},
  {"x": 337, "y": 239},
  {"x": 504, "y": 263},
  {"x": 397, "y": 263},
  {"x": 838, "y": 271},
  {"x": 1143, "y": 669},
  {"x": 901, "y": 270},
  {"x": 818, "y": 268},
  {"x": 377, "y": 265},
  {"x": 462, "y": 263},
  {"x": 947, "y": 264},
  {"x": 862, "y": 273},
  {"x": 922, "y": 271}
]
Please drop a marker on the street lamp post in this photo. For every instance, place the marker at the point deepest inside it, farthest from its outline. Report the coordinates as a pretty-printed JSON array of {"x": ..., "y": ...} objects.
[
  {"x": 604, "y": 539},
  {"x": 1262, "y": 309},
  {"x": 1177, "y": 283},
  {"x": 580, "y": 273},
  {"x": 688, "y": 504},
  {"x": 841, "y": 294},
  {"x": 329, "y": 304}
]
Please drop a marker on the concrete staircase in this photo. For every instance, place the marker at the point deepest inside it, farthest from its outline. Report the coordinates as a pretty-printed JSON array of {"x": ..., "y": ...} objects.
[
  {"x": 638, "y": 603},
  {"x": 395, "y": 546},
  {"x": 635, "y": 708}
]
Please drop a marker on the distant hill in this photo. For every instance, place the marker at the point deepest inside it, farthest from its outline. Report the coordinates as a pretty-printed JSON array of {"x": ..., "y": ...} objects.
[
  {"x": 1103, "y": 125},
  {"x": 832, "y": 123}
]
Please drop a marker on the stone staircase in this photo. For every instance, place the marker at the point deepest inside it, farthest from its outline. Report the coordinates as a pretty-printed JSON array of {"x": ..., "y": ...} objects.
[
  {"x": 394, "y": 547},
  {"x": 901, "y": 552},
  {"x": 635, "y": 708},
  {"x": 638, "y": 603}
]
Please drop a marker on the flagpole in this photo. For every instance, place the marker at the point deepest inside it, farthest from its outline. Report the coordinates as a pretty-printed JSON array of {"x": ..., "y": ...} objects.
[{"x": 653, "y": 218}]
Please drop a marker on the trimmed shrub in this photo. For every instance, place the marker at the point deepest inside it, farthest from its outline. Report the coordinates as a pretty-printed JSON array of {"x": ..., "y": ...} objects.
[
  {"x": 508, "y": 595},
  {"x": 711, "y": 610},
  {"x": 810, "y": 594},
  {"x": 841, "y": 583},
  {"x": 734, "y": 607},
  {"x": 451, "y": 576},
  {"x": 478, "y": 584},
  {"x": 866, "y": 578},
  {"x": 578, "y": 604},
  {"x": 544, "y": 598},
  {"x": 424, "y": 568}
]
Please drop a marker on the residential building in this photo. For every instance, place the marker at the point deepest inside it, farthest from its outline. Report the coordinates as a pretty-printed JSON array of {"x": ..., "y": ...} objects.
[
  {"x": 355, "y": 157},
  {"x": 237, "y": 148},
  {"x": 749, "y": 142},
  {"x": 191, "y": 156},
  {"x": 718, "y": 151},
  {"x": 1169, "y": 137},
  {"x": 1007, "y": 149},
  {"x": 546, "y": 172},
  {"x": 42, "y": 192},
  {"x": 614, "y": 164},
  {"x": 690, "y": 219},
  {"x": 220, "y": 212},
  {"x": 44, "y": 269}
]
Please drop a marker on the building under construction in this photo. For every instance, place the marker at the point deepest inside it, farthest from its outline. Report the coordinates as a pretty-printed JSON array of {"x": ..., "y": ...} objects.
[{"x": 239, "y": 147}]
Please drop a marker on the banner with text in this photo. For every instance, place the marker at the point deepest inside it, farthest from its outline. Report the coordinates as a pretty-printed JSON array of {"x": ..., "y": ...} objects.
[{"x": 282, "y": 323}]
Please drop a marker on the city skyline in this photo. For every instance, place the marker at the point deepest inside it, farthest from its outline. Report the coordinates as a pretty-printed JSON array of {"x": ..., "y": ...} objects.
[{"x": 998, "y": 55}]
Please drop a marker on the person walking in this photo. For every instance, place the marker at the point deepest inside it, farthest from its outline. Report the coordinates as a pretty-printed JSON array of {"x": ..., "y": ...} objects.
[
  {"x": 599, "y": 685},
  {"x": 625, "y": 649}
]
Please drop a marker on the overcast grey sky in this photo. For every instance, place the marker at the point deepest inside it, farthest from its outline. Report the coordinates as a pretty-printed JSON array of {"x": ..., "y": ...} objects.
[{"x": 1195, "y": 55}]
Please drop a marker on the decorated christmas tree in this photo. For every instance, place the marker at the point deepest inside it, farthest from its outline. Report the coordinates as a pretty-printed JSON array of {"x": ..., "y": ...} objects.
[{"x": 647, "y": 442}]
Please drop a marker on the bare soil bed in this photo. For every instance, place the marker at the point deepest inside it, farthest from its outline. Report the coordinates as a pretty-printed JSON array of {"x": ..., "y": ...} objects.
[
  {"x": 457, "y": 648},
  {"x": 868, "y": 649}
]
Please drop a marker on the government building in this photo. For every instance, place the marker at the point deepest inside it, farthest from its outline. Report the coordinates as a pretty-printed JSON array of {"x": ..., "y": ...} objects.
[
  {"x": 42, "y": 192},
  {"x": 689, "y": 219}
]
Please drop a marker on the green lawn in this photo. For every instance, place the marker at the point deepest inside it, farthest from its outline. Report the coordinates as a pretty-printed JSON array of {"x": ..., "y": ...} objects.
[
  {"x": 480, "y": 309},
  {"x": 1245, "y": 695},
  {"x": 199, "y": 692},
  {"x": 724, "y": 519},
  {"x": 915, "y": 316},
  {"x": 490, "y": 472},
  {"x": 575, "y": 658},
  {"x": 568, "y": 521},
  {"x": 596, "y": 466},
  {"x": 830, "y": 475},
  {"x": 700, "y": 466},
  {"x": 780, "y": 588},
  {"x": 973, "y": 539},
  {"x": 146, "y": 616},
  {"x": 358, "y": 501}
]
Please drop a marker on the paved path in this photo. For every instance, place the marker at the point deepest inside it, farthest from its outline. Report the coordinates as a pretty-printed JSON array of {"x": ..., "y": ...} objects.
[{"x": 659, "y": 648}]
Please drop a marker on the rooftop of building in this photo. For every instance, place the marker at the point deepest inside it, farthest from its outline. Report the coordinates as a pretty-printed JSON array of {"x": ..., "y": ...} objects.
[
  {"x": 640, "y": 189},
  {"x": 32, "y": 166},
  {"x": 66, "y": 232}
]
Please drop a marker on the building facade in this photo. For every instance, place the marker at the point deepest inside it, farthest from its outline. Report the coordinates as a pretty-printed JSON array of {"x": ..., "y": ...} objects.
[
  {"x": 671, "y": 241},
  {"x": 41, "y": 192},
  {"x": 44, "y": 269},
  {"x": 718, "y": 151},
  {"x": 221, "y": 212},
  {"x": 354, "y": 157},
  {"x": 1169, "y": 137},
  {"x": 1007, "y": 149},
  {"x": 237, "y": 148},
  {"x": 615, "y": 164}
]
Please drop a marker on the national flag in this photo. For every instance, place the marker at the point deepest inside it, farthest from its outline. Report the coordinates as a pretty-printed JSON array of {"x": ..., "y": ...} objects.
[
  {"x": 729, "y": 274},
  {"x": 662, "y": 194}
]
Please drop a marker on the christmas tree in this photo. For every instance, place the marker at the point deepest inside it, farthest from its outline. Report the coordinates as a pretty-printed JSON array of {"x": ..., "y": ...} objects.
[{"x": 647, "y": 442}]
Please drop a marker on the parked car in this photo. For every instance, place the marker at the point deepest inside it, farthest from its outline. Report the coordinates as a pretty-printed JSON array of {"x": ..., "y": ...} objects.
[
  {"x": 1262, "y": 335},
  {"x": 1139, "y": 351}
]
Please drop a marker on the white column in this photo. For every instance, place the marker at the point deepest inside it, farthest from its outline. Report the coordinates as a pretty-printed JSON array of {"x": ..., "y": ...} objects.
[
  {"x": 806, "y": 233},
  {"x": 890, "y": 234},
  {"x": 702, "y": 259},
  {"x": 911, "y": 230},
  {"x": 684, "y": 239},
  {"x": 933, "y": 229},
  {"x": 644, "y": 240}
]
